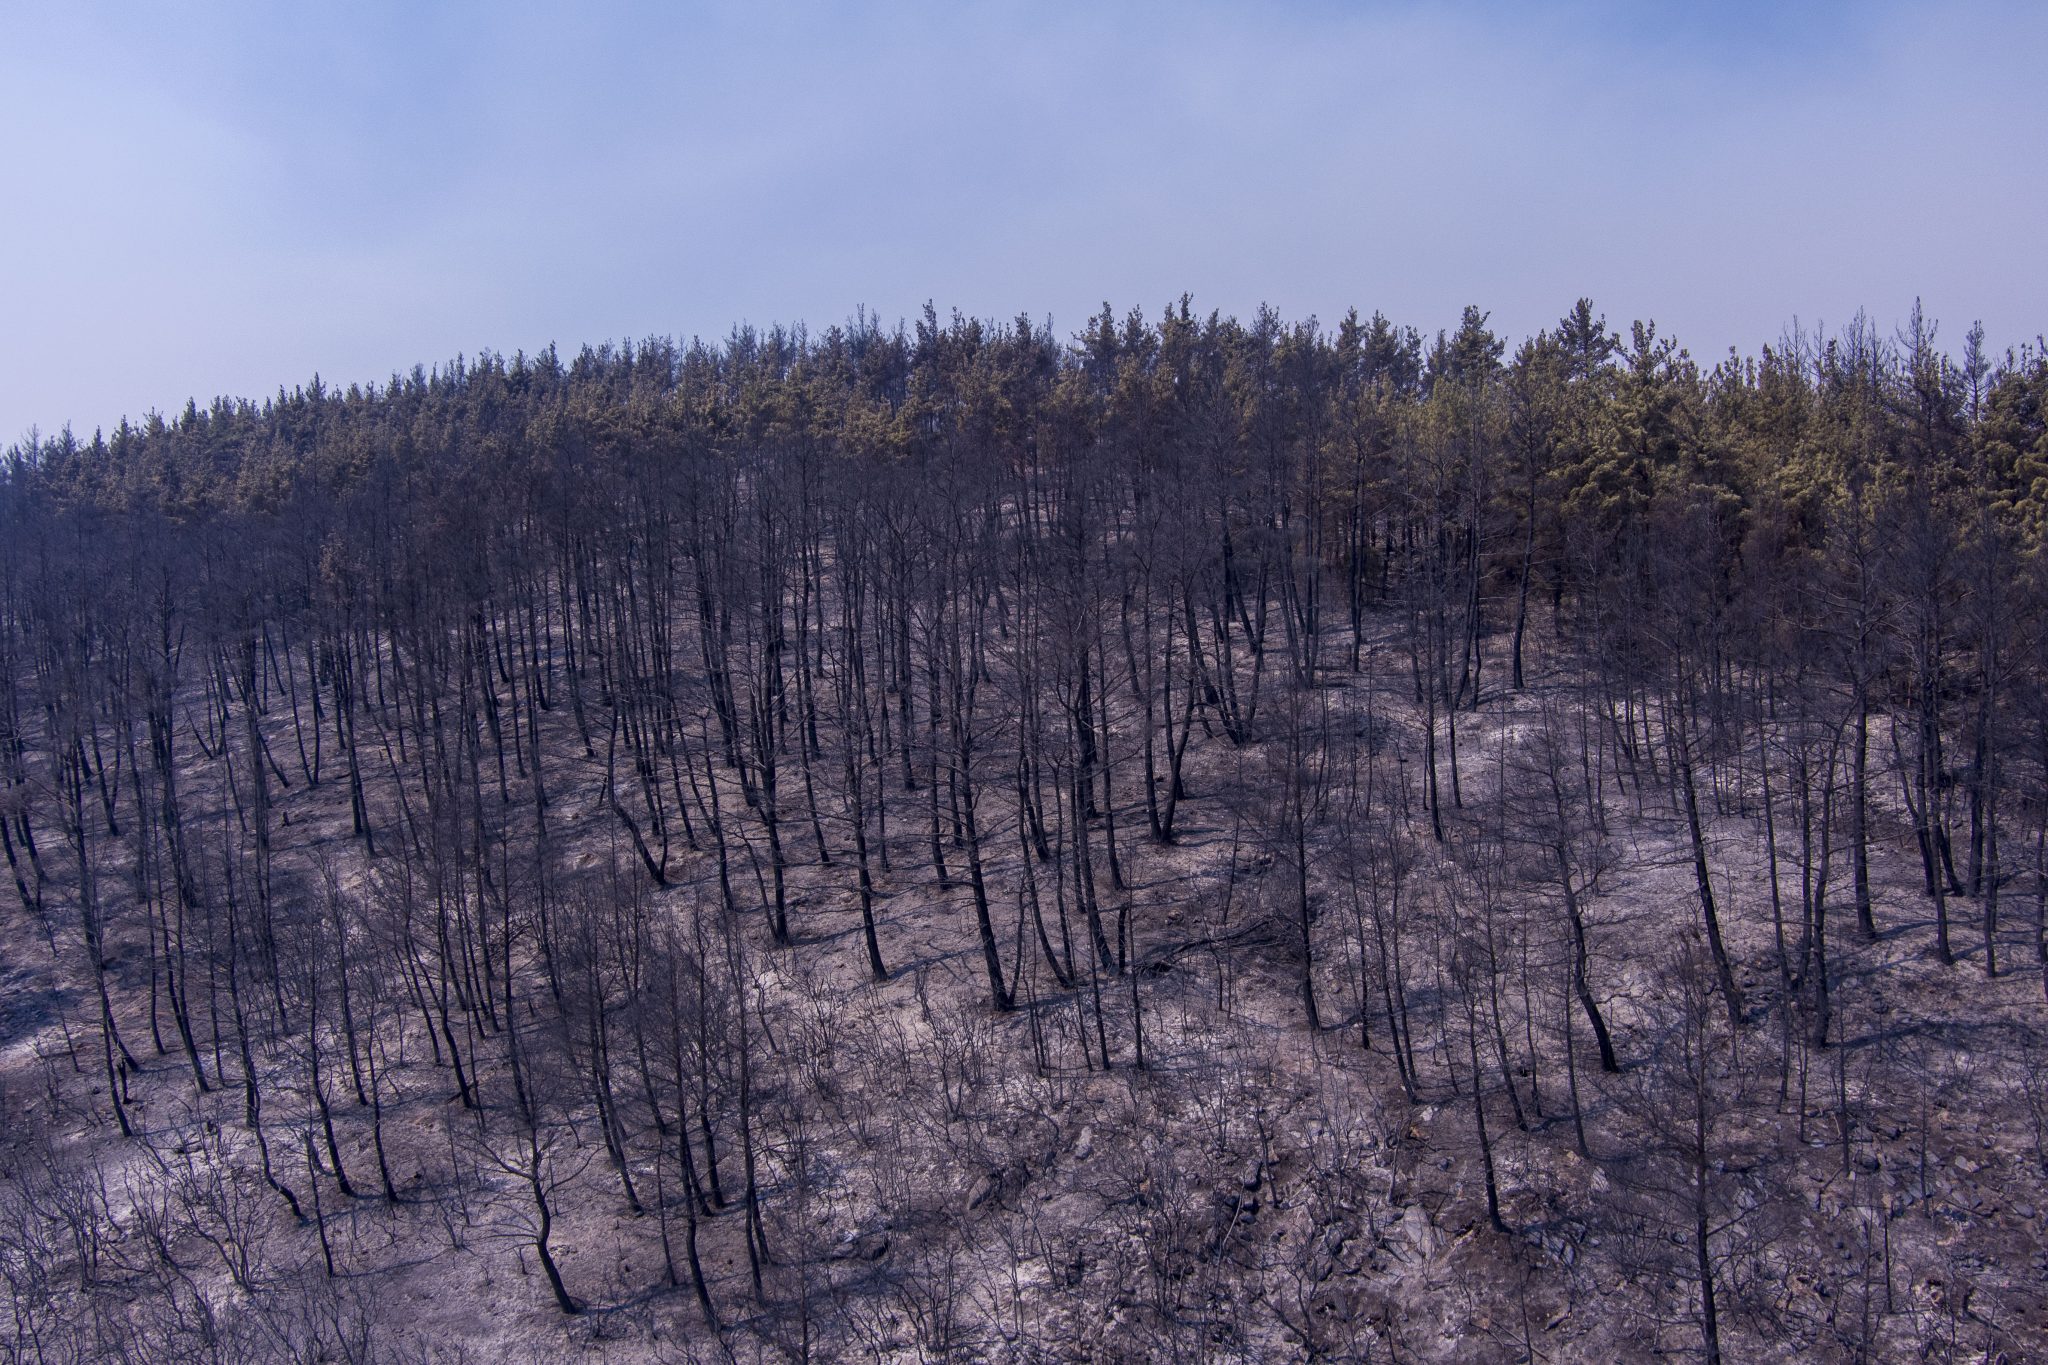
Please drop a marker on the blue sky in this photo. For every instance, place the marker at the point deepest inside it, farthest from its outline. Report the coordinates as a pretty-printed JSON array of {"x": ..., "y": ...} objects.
[{"x": 202, "y": 199}]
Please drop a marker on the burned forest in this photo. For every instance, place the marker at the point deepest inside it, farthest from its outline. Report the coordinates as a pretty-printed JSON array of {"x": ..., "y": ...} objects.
[{"x": 1191, "y": 840}]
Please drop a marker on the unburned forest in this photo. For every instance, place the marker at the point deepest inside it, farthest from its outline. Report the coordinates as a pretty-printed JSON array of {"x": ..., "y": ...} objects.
[{"x": 1193, "y": 840}]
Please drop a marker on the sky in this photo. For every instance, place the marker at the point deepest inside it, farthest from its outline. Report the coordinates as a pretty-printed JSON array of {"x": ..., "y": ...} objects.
[{"x": 198, "y": 200}]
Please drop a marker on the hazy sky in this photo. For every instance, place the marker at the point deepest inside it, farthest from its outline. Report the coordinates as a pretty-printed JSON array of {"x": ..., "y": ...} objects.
[{"x": 202, "y": 199}]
